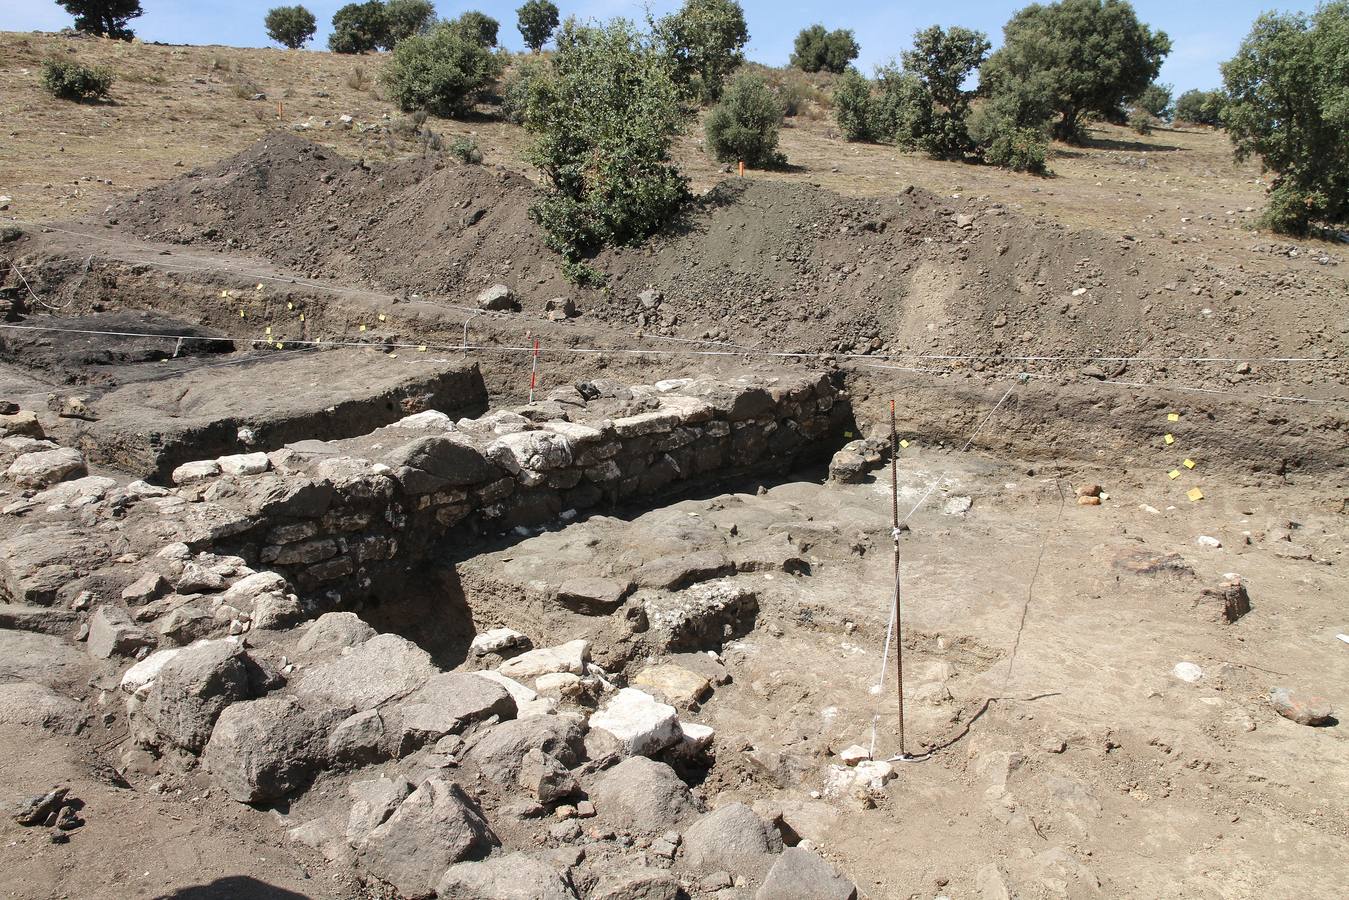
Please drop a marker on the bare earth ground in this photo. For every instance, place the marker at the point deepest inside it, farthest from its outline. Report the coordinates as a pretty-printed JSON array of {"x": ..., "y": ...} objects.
[{"x": 1080, "y": 767}]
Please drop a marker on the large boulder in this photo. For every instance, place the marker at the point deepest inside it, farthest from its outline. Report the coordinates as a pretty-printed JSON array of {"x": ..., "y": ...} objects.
[
  {"x": 434, "y": 463},
  {"x": 499, "y": 751},
  {"x": 801, "y": 874},
  {"x": 435, "y": 827},
  {"x": 448, "y": 704},
  {"x": 537, "y": 451},
  {"x": 368, "y": 675},
  {"x": 189, "y": 692},
  {"x": 515, "y": 876},
  {"x": 638, "y": 722},
  {"x": 264, "y": 749},
  {"x": 46, "y": 467},
  {"x": 333, "y": 631},
  {"x": 640, "y": 794},
  {"x": 732, "y": 839}
]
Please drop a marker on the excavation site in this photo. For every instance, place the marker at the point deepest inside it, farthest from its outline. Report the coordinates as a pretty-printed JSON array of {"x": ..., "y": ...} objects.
[{"x": 908, "y": 545}]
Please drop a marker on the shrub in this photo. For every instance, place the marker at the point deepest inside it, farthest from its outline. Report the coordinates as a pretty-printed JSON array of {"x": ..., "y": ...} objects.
[
  {"x": 1288, "y": 104},
  {"x": 1156, "y": 101},
  {"x": 852, "y": 106},
  {"x": 104, "y": 17},
  {"x": 465, "y": 149},
  {"x": 1011, "y": 129},
  {"x": 1142, "y": 121},
  {"x": 943, "y": 61},
  {"x": 404, "y": 18},
  {"x": 603, "y": 125},
  {"x": 356, "y": 79},
  {"x": 1201, "y": 107},
  {"x": 819, "y": 50},
  {"x": 444, "y": 71},
  {"x": 521, "y": 91},
  {"x": 792, "y": 95},
  {"x": 359, "y": 28},
  {"x": 1091, "y": 55},
  {"x": 744, "y": 125},
  {"x": 901, "y": 110},
  {"x": 70, "y": 80},
  {"x": 704, "y": 39},
  {"x": 537, "y": 20},
  {"x": 481, "y": 26},
  {"x": 290, "y": 26}
]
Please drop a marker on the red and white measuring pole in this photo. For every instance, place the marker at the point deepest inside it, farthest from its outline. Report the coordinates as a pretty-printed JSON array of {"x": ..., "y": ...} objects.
[{"x": 534, "y": 371}]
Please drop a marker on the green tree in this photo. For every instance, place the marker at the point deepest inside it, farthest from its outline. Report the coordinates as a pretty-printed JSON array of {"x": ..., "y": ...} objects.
[
  {"x": 481, "y": 25},
  {"x": 290, "y": 26},
  {"x": 1201, "y": 107},
  {"x": 538, "y": 20},
  {"x": 1156, "y": 101},
  {"x": 1093, "y": 55},
  {"x": 744, "y": 124},
  {"x": 901, "y": 110},
  {"x": 104, "y": 17},
  {"x": 443, "y": 71},
  {"x": 524, "y": 83},
  {"x": 943, "y": 62},
  {"x": 820, "y": 50},
  {"x": 603, "y": 128},
  {"x": 69, "y": 80},
  {"x": 404, "y": 18},
  {"x": 359, "y": 28},
  {"x": 705, "y": 38},
  {"x": 852, "y": 106},
  {"x": 1288, "y": 103}
]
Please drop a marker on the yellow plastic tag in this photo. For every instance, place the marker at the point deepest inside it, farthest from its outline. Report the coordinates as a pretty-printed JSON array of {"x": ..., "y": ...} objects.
[
  {"x": 382, "y": 317},
  {"x": 241, "y": 313},
  {"x": 1173, "y": 474},
  {"x": 301, "y": 317},
  {"x": 1169, "y": 439},
  {"x": 224, "y": 293},
  {"x": 1104, "y": 496},
  {"x": 393, "y": 356},
  {"x": 269, "y": 330},
  {"x": 421, "y": 349},
  {"x": 1195, "y": 494},
  {"x": 847, "y": 434},
  {"x": 362, "y": 328},
  {"x": 1173, "y": 417},
  {"x": 290, "y": 305},
  {"x": 280, "y": 346},
  {"x": 904, "y": 444},
  {"x": 1189, "y": 464}
]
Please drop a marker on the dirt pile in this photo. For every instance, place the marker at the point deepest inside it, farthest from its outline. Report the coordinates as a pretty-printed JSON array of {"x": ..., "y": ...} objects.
[{"x": 763, "y": 264}]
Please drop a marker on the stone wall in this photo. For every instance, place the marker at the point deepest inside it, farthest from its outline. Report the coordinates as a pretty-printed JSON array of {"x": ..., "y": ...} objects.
[{"x": 329, "y": 515}]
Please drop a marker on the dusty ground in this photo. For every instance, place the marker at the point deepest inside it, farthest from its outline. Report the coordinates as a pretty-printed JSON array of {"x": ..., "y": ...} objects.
[{"x": 1079, "y": 766}]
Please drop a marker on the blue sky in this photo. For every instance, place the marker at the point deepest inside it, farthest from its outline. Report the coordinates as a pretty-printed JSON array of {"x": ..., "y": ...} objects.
[{"x": 1203, "y": 34}]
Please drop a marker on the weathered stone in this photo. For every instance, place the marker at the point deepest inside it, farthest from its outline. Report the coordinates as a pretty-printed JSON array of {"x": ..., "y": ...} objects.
[
  {"x": 111, "y": 632},
  {"x": 245, "y": 592},
  {"x": 193, "y": 472},
  {"x": 594, "y": 595},
  {"x": 264, "y": 749},
  {"x": 197, "y": 579},
  {"x": 333, "y": 631},
  {"x": 498, "y": 751},
  {"x": 848, "y": 467},
  {"x": 190, "y": 691},
  {"x": 142, "y": 673},
  {"x": 36, "y": 565},
  {"x": 381, "y": 669},
  {"x": 185, "y": 624},
  {"x": 434, "y": 463},
  {"x": 450, "y": 702},
  {"x": 658, "y": 421},
  {"x": 640, "y": 794},
  {"x": 499, "y": 641},
  {"x": 640, "y": 723},
  {"x": 150, "y": 586},
  {"x": 76, "y": 492},
  {"x": 497, "y": 298},
  {"x": 301, "y": 554},
  {"x": 638, "y": 884},
  {"x": 801, "y": 874},
  {"x": 733, "y": 838},
  {"x": 359, "y": 739},
  {"x": 546, "y": 779},
  {"x": 537, "y": 451},
  {"x": 519, "y": 692},
  {"x": 435, "y": 827},
  {"x": 702, "y": 616},
  {"x": 515, "y": 876},
  {"x": 24, "y": 422},
  {"x": 46, "y": 467},
  {"x": 244, "y": 464},
  {"x": 373, "y": 801},
  {"x": 276, "y": 610},
  {"x": 38, "y": 706},
  {"x": 671, "y": 573},
  {"x": 1304, "y": 709},
  {"x": 677, "y": 685},
  {"x": 569, "y": 657}
]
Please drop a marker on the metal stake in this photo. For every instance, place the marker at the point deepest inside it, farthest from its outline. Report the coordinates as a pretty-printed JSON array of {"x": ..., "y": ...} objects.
[{"x": 899, "y": 619}]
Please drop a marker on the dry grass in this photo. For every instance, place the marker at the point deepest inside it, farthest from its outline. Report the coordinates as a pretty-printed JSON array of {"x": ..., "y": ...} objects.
[{"x": 176, "y": 107}]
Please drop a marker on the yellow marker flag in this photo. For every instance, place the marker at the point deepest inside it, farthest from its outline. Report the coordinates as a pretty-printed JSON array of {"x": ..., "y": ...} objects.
[
  {"x": 269, "y": 330},
  {"x": 259, "y": 287},
  {"x": 280, "y": 346},
  {"x": 1173, "y": 417},
  {"x": 421, "y": 349},
  {"x": 1189, "y": 464},
  {"x": 224, "y": 293},
  {"x": 362, "y": 328},
  {"x": 381, "y": 317},
  {"x": 904, "y": 444},
  {"x": 301, "y": 317},
  {"x": 1173, "y": 474},
  {"x": 1195, "y": 495},
  {"x": 290, "y": 305},
  {"x": 1169, "y": 439}
]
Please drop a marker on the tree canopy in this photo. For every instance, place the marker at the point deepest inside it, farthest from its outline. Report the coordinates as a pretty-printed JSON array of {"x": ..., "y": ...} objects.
[
  {"x": 359, "y": 28},
  {"x": 820, "y": 50},
  {"x": 404, "y": 18},
  {"x": 538, "y": 20},
  {"x": 104, "y": 17},
  {"x": 1288, "y": 103},
  {"x": 705, "y": 39},
  {"x": 290, "y": 26},
  {"x": 1090, "y": 56}
]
